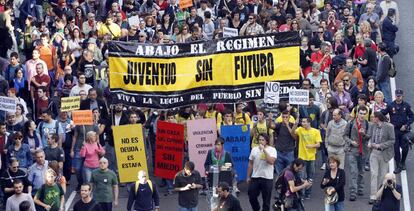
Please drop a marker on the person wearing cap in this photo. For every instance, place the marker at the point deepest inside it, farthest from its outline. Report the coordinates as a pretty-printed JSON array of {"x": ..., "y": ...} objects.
[{"x": 401, "y": 116}]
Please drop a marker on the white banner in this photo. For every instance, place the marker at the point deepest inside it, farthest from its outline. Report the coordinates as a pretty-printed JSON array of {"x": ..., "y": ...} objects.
[{"x": 230, "y": 32}]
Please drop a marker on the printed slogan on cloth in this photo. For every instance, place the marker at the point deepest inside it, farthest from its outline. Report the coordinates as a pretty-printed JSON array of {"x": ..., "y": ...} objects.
[{"x": 229, "y": 70}]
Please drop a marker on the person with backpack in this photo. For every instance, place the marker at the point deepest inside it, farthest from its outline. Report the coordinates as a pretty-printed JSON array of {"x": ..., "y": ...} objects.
[
  {"x": 385, "y": 63},
  {"x": 241, "y": 117},
  {"x": 289, "y": 186},
  {"x": 356, "y": 138},
  {"x": 105, "y": 186},
  {"x": 50, "y": 196},
  {"x": 86, "y": 202},
  {"x": 143, "y": 194},
  {"x": 261, "y": 126},
  {"x": 48, "y": 127}
]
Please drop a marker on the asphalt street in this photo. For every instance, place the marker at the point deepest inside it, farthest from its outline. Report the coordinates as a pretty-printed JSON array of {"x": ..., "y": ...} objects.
[{"x": 404, "y": 80}]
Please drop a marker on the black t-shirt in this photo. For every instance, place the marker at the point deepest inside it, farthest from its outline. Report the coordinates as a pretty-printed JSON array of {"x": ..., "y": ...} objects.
[
  {"x": 283, "y": 140},
  {"x": 388, "y": 201},
  {"x": 371, "y": 57},
  {"x": 88, "y": 68},
  {"x": 231, "y": 203},
  {"x": 91, "y": 206},
  {"x": 189, "y": 198},
  {"x": 7, "y": 177},
  {"x": 54, "y": 154}
]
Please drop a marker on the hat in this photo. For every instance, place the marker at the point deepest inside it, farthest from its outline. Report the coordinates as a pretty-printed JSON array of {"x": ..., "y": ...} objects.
[
  {"x": 399, "y": 92},
  {"x": 92, "y": 41}
]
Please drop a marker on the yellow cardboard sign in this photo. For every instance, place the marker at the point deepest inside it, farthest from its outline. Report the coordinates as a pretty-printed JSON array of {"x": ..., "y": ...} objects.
[
  {"x": 70, "y": 103},
  {"x": 130, "y": 151}
]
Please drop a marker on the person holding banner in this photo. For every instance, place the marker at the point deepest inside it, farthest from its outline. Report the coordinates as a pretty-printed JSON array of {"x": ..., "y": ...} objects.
[
  {"x": 186, "y": 183},
  {"x": 260, "y": 173},
  {"x": 227, "y": 120}
]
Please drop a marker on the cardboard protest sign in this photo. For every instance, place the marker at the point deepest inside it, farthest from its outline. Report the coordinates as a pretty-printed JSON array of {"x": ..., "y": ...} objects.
[
  {"x": 201, "y": 134},
  {"x": 299, "y": 97},
  {"x": 237, "y": 142},
  {"x": 185, "y": 3},
  {"x": 70, "y": 103},
  {"x": 7, "y": 104},
  {"x": 169, "y": 148},
  {"x": 82, "y": 117},
  {"x": 271, "y": 92},
  {"x": 130, "y": 151}
]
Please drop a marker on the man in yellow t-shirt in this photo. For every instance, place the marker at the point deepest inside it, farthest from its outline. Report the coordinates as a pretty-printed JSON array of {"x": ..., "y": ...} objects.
[
  {"x": 213, "y": 114},
  {"x": 262, "y": 126},
  {"x": 241, "y": 118},
  {"x": 109, "y": 27},
  {"x": 309, "y": 141}
]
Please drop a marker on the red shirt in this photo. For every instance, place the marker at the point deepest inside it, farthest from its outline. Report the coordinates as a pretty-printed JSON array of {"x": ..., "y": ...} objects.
[
  {"x": 40, "y": 79},
  {"x": 318, "y": 56},
  {"x": 41, "y": 105}
]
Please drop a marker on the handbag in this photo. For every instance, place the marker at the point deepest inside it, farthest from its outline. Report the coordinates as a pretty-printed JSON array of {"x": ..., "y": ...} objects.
[{"x": 330, "y": 198}]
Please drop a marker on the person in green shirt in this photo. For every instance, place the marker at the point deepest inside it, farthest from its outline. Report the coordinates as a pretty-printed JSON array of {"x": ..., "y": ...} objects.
[
  {"x": 50, "y": 196},
  {"x": 105, "y": 185}
]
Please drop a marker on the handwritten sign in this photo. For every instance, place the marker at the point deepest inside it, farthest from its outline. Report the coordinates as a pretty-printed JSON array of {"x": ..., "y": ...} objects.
[
  {"x": 169, "y": 147},
  {"x": 201, "y": 134},
  {"x": 186, "y": 4},
  {"x": 230, "y": 32},
  {"x": 70, "y": 103},
  {"x": 130, "y": 151},
  {"x": 299, "y": 97},
  {"x": 271, "y": 92},
  {"x": 82, "y": 117},
  {"x": 7, "y": 104}
]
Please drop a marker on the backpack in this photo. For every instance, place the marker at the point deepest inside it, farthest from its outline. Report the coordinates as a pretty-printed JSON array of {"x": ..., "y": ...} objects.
[
  {"x": 281, "y": 185},
  {"x": 149, "y": 183},
  {"x": 392, "y": 71},
  {"x": 41, "y": 127}
]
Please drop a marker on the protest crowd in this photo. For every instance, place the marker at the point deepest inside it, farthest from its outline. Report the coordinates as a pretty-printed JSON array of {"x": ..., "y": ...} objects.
[{"x": 57, "y": 50}]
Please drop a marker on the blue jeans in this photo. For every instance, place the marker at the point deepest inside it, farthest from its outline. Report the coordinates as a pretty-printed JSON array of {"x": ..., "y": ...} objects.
[
  {"x": 187, "y": 209},
  {"x": 308, "y": 173},
  {"x": 77, "y": 163},
  {"x": 284, "y": 159},
  {"x": 170, "y": 186},
  {"x": 338, "y": 206},
  {"x": 385, "y": 87},
  {"x": 87, "y": 173}
]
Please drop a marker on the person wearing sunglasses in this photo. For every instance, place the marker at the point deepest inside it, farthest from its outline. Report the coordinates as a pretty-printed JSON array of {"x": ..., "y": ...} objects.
[
  {"x": 11, "y": 174},
  {"x": 20, "y": 151}
]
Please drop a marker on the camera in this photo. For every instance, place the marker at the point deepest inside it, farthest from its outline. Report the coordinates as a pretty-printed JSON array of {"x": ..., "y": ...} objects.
[{"x": 390, "y": 182}]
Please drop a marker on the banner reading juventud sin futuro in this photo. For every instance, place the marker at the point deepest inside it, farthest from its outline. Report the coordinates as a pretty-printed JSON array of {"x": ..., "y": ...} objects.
[{"x": 227, "y": 71}]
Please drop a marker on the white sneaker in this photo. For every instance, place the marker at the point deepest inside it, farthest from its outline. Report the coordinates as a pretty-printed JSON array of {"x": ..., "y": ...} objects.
[{"x": 323, "y": 167}]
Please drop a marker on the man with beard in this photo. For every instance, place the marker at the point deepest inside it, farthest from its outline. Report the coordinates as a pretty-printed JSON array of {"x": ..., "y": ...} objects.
[
  {"x": 86, "y": 202},
  {"x": 81, "y": 86},
  {"x": 14, "y": 201},
  {"x": 227, "y": 202}
]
